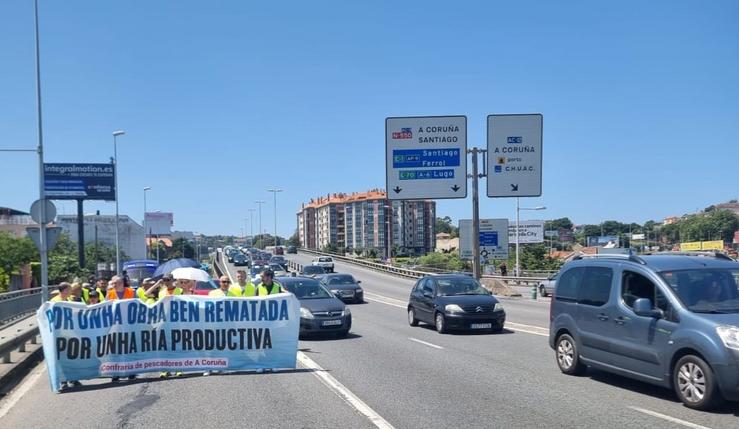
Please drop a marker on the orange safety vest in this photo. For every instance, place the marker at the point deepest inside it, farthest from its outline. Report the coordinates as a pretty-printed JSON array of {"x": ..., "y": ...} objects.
[{"x": 113, "y": 295}]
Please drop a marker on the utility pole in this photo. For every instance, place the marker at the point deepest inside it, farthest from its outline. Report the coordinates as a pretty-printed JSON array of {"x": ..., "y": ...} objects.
[
  {"x": 259, "y": 203},
  {"x": 274, "y": 192},
  {"x": 43, "y": 251},
  {"x": 117, "y": 232},
  {"x": 476, "y": 272}
]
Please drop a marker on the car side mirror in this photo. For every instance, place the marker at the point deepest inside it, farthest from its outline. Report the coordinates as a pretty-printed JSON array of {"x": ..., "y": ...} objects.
[
  {"x": 643, "y": 307},
  {"x": 359, "y": 281}
]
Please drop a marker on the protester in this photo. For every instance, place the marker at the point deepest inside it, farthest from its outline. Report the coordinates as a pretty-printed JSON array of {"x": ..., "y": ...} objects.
[
  {"x": 75, "y": 292},
  {"x": 146, "y": 291},
  {"x": 226, "y": 289},
  {"x": 503, "y": 269},
  {"x": 268, "y": 286},
  {"x": 170, "y": 288},
  {"x": 93, "y": 297},
  {"x": 65, "y": 290},
  {"x": 120, "y": 291},
  {"x": 241, "y": 280}
]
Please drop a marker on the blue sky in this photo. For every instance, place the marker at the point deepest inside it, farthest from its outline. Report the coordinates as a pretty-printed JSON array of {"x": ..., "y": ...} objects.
[{"x": 222, "y": 100}]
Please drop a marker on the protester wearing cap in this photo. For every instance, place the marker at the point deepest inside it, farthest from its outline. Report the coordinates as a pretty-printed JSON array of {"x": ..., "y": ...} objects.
[
  {"x": 93, "y": 297},
  {"x": 64, "y": 290},
  {"x": 226, "y": 289},
  {"x": 146, "y": 292},
  {"x": 170, "y": 288}
]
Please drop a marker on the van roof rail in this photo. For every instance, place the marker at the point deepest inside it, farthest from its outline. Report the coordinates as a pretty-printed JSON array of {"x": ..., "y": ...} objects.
[
  {"x": 628, "y": 256},
  {"x": 709, "y": 254}
]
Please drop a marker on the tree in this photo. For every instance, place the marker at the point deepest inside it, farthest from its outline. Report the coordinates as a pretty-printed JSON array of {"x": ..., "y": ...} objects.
[
  {"x": 14, "y": 253},
  {"x": 445, "y": 225},
  {"x": 294, "y": 240},
  {"x": 182, "y": 248},
  {"x": 557, "y": 224}
]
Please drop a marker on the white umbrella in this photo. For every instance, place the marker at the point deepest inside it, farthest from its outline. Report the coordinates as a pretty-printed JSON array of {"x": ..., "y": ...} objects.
[{"x": 190, "y": 273}]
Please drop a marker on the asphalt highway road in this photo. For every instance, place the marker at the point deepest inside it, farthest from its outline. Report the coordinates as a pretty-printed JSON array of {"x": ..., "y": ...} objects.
[{"x": 386, "y": 374}]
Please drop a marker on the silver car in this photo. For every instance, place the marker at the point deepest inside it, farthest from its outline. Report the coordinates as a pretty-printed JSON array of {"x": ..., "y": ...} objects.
[{"x": 546, "y": 287}]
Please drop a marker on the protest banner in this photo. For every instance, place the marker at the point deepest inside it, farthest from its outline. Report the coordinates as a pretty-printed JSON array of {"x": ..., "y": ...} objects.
[{"x": 177, "y": 333}]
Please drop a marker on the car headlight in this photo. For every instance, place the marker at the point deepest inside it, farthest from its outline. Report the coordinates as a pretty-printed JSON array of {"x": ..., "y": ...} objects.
[
  {"x": 334, "y": 291},
  {"x": 305, "y": 313},
  {"x": 346, "y": 312},
  {"x": 498, "y": 306},
  {"x": 359, "y": 289},
  {"x": 729, "y": 335},
  {"x": 453, "y": 308}
]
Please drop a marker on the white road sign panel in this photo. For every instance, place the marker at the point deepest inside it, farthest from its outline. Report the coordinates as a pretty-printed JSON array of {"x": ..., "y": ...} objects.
[
  {"x": 493, "y": 239},
  {"x": 514, "y": 155},
  {"x": 426, "y": 157},
  {"x": 529, "y": 231}
]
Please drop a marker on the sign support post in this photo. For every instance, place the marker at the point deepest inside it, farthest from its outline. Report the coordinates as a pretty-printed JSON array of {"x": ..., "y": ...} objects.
[
  {"x": 43, "y": 247},
  {"x": 475, "y": 217},
  {"x": 81, "y": 233}
]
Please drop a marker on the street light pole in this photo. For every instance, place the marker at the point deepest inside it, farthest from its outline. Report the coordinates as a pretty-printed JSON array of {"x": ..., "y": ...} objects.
[
  {"x": 259, "y": 203},
  {"x": 117, "y": 233},
  {"x": 251, "y": 225},
  {"x": 43, "y": 250},
  {"x": 146, "y": 231},
  {"x": 518, "y": 210},
  {"x": 274, "y": 192}
]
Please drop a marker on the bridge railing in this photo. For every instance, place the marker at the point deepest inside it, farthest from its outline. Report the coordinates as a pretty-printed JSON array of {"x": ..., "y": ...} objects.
[
  {"x": 19, "y": 303},
  {"x": 415, "y": 274}
]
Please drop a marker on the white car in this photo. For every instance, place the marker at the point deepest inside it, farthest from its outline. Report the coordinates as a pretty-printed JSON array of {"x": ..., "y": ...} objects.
[{"x": 326, "y": 262}]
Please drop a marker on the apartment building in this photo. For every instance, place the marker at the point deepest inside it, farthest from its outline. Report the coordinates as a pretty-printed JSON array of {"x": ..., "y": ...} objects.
[{"x": 368, "y": 220}]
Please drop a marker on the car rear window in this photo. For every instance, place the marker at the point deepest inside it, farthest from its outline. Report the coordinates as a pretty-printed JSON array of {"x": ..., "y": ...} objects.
[{"x": 324, "y": 259}]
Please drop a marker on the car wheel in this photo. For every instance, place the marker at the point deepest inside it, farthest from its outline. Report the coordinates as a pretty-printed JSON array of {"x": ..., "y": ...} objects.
[
  {"x": 412, "y": 317},
  {"x": 542, "y": 291},
  {"x": 568, "y": 358},
  {"x": 695, "y": 383},
  {"x": 440, "y": 323}
]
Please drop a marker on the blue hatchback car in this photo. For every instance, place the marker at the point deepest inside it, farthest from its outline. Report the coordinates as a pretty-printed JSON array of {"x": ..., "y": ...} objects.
[{"x": 670, "y": 319}]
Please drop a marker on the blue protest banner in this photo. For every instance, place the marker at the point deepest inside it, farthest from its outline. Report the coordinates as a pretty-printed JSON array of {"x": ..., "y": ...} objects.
[{"x": 178, "y": 333}]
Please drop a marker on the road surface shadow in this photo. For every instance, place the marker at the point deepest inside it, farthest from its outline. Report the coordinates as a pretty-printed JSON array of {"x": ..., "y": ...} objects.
[
  {"x": 466, "y": 333},
  {"x": 329, "y": 336},
  {"x": 614, "y": 380}
]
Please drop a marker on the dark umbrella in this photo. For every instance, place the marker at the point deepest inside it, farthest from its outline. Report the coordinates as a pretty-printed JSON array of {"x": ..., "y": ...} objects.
[{"x": 173, "y": 264}]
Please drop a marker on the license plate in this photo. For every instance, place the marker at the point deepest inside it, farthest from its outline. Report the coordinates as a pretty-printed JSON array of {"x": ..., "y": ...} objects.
[
  {"x": 331, "y": 322},
  {"x": 481, "y": 325}
]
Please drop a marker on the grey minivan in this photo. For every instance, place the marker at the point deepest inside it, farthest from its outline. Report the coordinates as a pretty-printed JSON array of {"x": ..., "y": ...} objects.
[{"x": 670, "y": 319}]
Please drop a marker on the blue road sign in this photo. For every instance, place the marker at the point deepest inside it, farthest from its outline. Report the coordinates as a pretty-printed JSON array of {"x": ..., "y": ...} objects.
[{"x": 488, "y": 238}]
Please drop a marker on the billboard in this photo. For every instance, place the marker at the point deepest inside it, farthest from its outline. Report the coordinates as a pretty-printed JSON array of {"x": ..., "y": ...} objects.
[
  {"x": 529, "y": 231},
  {"x": 79, "y": 181},
  {"x": 691, "y": 246},
  {"x": 493, "y": 239},
  {"x": 159, "y": 223},
  {"x": 610, "y": 241}
]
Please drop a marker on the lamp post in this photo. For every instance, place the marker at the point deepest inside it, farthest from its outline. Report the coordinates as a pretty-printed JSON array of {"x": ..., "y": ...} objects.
[
  {"x": 259, "y": 203},
  {"x": 117, "y": 233},
  {"x": 274, "y": 193},
  {"x": 518, "y": 210},
  {"x": 251, "y": 225},
  {"x": 146, "y": 231}
]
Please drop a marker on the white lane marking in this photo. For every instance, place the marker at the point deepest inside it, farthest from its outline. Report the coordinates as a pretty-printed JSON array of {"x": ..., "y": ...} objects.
[
  {"x": 530, "y": 326},
  {"x": 344, "y": 393},
  {"x": 668, "y": 418},
  {"x": 385, "y": 297},
  {"x": 507, "y": 326},
  {"x": 17, "y": 394},
  {"x": 385, "y": 302},
  {"x": 425, "y": 343}
]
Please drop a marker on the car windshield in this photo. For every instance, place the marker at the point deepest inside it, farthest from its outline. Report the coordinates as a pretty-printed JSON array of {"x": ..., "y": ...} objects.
[
  {"x": 307, "y": 289},
  {"x": 460, "y": 286},
  {"x": 341, "y": 280},
  {"x": 276, "y": 267},
  {"x": 706, "y": 290}
]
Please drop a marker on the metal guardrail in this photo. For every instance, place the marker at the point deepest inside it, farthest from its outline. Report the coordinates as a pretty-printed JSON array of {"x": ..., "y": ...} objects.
[
  {"x": 17, "y": 339},
  {"x": 19, "y": 303},
  {"x": 507, "y": 280}
]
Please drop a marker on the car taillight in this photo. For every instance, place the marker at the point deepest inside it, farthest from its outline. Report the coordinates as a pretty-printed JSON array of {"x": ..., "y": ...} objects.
[{"x": 551, "y": 302}]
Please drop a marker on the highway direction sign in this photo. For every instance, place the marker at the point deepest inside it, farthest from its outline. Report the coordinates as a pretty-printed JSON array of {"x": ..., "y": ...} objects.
[
  {"x": 426, "y": 157},
  {"x": 493, "y": 239},
  {"x": 514, "y": 155}
]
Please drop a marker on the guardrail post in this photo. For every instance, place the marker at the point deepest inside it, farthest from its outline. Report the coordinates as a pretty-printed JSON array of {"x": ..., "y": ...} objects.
[
  {"x": 34, "y": 340},
  {"x": 22, "y": 347},
  {"x": 6, "y": 357}
]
